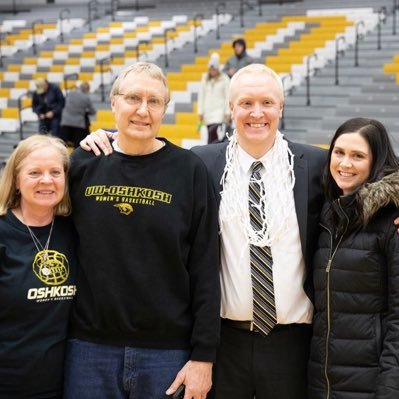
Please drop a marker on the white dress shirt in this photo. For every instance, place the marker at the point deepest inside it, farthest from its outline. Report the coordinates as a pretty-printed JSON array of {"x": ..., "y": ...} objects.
[{"x": 292, "y": 304}]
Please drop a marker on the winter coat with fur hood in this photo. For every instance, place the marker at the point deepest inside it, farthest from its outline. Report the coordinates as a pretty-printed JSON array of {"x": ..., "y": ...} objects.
[{"x": 355, "y": 345}]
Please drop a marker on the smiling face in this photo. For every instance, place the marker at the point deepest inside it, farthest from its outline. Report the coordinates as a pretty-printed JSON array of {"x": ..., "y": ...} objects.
[
  {"x": 351, "y": 161},
  {"x": 256, "y": 103},
  {"x": 41, "y": 180},
  {"x": 138, "y": 122}
]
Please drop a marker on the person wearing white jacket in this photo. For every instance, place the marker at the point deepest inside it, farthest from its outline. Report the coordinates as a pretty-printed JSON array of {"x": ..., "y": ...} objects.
[{"x": 213, "y": 105}]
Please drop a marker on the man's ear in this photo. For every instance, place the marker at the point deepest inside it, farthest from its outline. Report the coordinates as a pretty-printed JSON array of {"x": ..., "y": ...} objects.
[{"x": 281, "y": 110}]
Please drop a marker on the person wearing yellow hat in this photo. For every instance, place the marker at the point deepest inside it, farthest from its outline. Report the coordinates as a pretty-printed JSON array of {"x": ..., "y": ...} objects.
[{"x": 47, "y": 103}]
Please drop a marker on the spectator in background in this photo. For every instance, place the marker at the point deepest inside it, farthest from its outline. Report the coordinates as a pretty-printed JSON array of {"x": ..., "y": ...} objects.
[
  {"x": 213, "y": 105},
  {"x": 48, "y": 102},
  {"x": 75, "y": 120},
  {"x": 240, "y": 58}
]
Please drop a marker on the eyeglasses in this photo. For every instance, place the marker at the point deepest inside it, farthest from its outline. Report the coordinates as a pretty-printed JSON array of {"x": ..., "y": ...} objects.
[{"x": 153, "y": 103}]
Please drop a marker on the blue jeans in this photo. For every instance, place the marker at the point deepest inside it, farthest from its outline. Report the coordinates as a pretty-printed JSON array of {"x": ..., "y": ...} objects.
[{"x": 116, "y": 372}]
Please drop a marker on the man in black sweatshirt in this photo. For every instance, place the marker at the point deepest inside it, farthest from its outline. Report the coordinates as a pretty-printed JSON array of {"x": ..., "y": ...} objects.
[{"x": 146, "y": 317}]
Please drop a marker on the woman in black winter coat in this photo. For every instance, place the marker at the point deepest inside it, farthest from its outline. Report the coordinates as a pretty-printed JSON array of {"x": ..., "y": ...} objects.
[{"x": 355, "y": 345}]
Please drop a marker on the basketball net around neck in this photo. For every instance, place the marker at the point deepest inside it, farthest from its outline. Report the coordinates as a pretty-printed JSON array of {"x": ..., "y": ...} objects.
[{"x": 276, "y": 196}]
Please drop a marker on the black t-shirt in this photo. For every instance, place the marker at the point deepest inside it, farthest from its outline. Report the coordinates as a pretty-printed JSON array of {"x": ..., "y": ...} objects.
[
  {"x": 148, "y": 251},
  {"x": 34, "y": 307}
]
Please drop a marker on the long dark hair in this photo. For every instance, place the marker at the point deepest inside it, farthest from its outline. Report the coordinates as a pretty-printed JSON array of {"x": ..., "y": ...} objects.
[{"x": 384, "y": 161}]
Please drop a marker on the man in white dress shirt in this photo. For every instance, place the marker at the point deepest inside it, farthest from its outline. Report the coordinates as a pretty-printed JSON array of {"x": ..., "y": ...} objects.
[{"x": 249, "y": 363}]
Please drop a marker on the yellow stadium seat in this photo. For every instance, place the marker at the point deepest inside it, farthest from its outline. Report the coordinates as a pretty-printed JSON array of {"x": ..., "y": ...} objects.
[
  {"x": 21, "y": 84},
  {"x": 11, "y": 113},
  {"x": 105, "y": 114},
  {"x": 95, "y": 125},
  {"x": 177, "y": 85},
  {"x": 4, "y": 92},
  {"x": 187, "y": 118},
  {"x": 14, "y": 67}
]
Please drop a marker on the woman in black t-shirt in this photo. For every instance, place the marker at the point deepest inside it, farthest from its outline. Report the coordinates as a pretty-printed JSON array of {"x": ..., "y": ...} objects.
[{"x": 37, "y": 264}]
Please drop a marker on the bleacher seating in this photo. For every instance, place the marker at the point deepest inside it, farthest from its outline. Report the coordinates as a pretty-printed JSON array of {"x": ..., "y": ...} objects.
[{"x": 284, "y": 42}]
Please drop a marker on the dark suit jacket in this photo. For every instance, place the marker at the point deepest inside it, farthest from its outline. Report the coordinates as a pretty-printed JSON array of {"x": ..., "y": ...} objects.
[{"x": 308, "y": 164}]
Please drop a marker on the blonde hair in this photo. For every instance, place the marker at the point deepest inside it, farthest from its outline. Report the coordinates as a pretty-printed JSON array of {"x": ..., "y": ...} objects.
[
  {"x": 10, "y": 198},
  {"x": 148, "y": 68},
  {"x": 256, "y": 69}
]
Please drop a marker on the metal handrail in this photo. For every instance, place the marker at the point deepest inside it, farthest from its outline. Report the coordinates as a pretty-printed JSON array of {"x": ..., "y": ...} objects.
[
  {"x": 283, "y": 79},
  {"x": 61, "y": 17},
  {"x": 34, "y": 23},
  {"x": 197, "y": 17},
  {"x": 308, "y": 60},
  {"x": 219, "y": 6},
  {"x": 394, "y": 8},
  {"x": 338, "y": 52},
  {"x": 358, "y": 36},
  {"x": 20, "y": 109},
  {"x": 106, "y": 60},
  {"x": 165, "y": 35}
]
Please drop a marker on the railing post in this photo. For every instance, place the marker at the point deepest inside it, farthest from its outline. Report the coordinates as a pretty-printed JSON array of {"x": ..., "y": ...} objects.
[
  {"x": 138, "y": 48},
  {"x": 91, "y": 7},
  {"x": 114, "y": 8},
  {"x": 165, "y": 35},
  {"x": 358, "y": 36},
  {"x": 102, "y": 86},
  {"x": 63, "y": 13},
  {"x": 20, "y": 108},
  {"x": 243, "y": 3},
  {"x": 196, "y": 19},
  {"x": 219, "y": 6},
  {"x": 260, "y": 8},
  {"x": 381, "y": 19},
  {"x": 395, "y": 7},
  {"x": 242, "y": 13},
  {"x": 1, "y": 48},
  {"x": 34, "y": 23},
  {"x": 283, "y": 79},
  {"x": 137, "y": 5},
  {"x": 313, "y": 56},
  {"x": 69, "y": 77},
  {"x": 337, "y": 53}
]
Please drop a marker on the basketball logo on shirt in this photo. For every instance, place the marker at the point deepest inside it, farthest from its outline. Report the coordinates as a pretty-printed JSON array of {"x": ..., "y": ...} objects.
[
  {"x": 124, "y": 209},
  {"x": 51, "y": 267}
]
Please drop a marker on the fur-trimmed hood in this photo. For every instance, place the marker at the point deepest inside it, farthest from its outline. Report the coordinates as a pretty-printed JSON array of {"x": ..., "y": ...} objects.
[{"x": 377, "y": 195}]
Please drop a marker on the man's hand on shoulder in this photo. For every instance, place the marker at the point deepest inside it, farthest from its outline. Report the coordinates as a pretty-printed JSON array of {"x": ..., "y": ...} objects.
[
  {"x": 396, "y": 223},
  {"x": 98, "y": 141}
]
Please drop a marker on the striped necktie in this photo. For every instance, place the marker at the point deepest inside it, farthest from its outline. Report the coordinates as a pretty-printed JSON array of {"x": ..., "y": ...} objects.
[{"x": 264, "y": 308}]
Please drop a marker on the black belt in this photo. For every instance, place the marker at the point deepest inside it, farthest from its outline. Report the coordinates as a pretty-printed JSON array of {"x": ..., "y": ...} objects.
[{"x": 249, "y": 325}]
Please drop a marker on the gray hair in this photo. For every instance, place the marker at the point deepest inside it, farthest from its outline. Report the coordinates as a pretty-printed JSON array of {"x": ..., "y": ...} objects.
[{"x": 148, "y": 68}]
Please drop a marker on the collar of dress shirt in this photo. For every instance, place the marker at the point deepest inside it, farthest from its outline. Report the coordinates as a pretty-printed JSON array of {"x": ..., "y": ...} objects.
[{"x": 247, "y": 160}]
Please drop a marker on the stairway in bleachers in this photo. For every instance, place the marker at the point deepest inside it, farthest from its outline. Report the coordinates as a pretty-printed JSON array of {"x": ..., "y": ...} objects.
[{"x": 361, "y": 90}]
